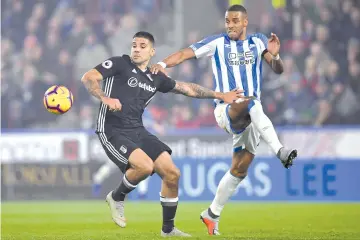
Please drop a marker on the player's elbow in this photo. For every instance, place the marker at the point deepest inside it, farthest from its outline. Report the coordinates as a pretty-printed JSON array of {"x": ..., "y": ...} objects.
[
  {"x": 91, "y": 75},
  {"x": 186, "y": 53},
  {"x": 86, "y": 77}
]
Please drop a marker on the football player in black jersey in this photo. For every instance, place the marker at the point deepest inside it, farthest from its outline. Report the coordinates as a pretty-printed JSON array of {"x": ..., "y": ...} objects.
[{"x": 128, "y": 87}]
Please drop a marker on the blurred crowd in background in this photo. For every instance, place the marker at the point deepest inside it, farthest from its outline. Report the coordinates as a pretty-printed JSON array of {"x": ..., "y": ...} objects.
[{"x": 57, "y": 41}]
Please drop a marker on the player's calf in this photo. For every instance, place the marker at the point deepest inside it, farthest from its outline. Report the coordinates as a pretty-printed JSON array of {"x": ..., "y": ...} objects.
[
  {"x": 141, "y": 166},
  {"x": 241, "y": 163},
  {"x": 170, "y": 182},
  {"x": 170, "y": 175},
  {"x": 227, "y": 186}
]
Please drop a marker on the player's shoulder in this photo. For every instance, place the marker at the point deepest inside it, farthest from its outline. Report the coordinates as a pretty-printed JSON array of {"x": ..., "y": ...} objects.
[
  {"x": 109, "y": 62},
  {"x": 258, "y": 35},
  {"x": 207, "y": 40},
  {"x": 160, "y": 76},
  {"x": 211, "y": 38}
]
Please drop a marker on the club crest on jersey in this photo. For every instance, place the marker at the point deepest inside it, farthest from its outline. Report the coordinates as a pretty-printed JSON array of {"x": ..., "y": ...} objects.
[
  {"x": 123, "y": 149},
  {"x": 241, "y": 58}
]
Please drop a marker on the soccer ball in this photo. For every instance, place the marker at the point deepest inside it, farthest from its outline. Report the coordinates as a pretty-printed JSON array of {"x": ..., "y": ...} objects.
[{"x": 58, "y": 99}]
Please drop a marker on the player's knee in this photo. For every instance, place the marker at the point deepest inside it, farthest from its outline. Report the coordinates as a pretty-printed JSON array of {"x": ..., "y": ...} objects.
[
  {"x": 239, "y": 173},
  {"x": 147, "y": 168},
  {"x": 239, "y": 170}
]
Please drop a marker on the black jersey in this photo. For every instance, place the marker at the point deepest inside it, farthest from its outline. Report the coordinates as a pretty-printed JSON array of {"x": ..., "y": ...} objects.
[{"x": 133, "y": 87}]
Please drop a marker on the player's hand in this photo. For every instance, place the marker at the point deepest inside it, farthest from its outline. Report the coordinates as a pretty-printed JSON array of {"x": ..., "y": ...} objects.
[
  {"x": 231, "y": 97},
  {"x": 273, "y": 45},
  {"x": 154, "y": 69},
  {"x": 112, "y": 103}
]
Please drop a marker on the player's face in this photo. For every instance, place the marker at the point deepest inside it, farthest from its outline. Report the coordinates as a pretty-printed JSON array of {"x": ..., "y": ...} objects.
[
  {"x": 142, "y": 50},
  {"x": 235, "y": 24}
]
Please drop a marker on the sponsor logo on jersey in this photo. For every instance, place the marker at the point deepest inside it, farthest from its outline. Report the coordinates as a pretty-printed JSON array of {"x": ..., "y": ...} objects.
[
  {"x": 241, "y": 58},
  {"x": 147, "y": 87},
  {"x": 133, "y": 82}
]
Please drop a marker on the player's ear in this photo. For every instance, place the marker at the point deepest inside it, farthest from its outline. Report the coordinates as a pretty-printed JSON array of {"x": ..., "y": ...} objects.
[
  {"x": 246, "y": 22},
  {"x": 152, "y": 52}
]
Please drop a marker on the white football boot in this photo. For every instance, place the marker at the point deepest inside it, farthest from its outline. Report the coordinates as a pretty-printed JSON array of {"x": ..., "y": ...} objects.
[{"x": 117, "y": 210}]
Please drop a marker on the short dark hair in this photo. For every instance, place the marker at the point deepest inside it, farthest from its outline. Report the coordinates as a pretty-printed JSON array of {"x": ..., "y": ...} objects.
[
  {"x": 145, "y": 35},
  {"x": 237, "y": 8}
]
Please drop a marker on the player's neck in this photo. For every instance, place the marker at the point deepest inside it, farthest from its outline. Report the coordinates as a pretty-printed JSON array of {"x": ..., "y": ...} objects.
[
  {"x": 143, "y": 66},
  {"x": 243, "y": 36}
]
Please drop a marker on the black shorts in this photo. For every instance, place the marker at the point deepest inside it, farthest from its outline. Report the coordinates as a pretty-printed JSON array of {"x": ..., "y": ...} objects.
[{"x": 120, "y": 143}]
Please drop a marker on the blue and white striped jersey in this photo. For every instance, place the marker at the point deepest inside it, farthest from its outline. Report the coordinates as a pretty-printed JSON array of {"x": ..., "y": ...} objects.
[{"x": 234, "y": 63}]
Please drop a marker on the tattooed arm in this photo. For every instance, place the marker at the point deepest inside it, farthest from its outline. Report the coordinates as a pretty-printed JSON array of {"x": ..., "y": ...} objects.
[
  {"x": 91, "y": 81},
  {"x": 196, "y": 91}
]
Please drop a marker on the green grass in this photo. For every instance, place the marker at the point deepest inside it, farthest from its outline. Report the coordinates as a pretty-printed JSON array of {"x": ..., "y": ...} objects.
[{"x": 91, "y": 221}]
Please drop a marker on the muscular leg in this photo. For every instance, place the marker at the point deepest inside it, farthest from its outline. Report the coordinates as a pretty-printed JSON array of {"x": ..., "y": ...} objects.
[
  {"x": 242, "y": 110},
  {"x": 240, "y": 163},
  {"x": 170, "y": 174},
  {"x": 141, "y": 166},
  {"x": 259, "y": 119}
]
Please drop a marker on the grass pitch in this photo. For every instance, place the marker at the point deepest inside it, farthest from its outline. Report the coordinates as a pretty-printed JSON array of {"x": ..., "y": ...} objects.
[{"x": 90, "y": 220}]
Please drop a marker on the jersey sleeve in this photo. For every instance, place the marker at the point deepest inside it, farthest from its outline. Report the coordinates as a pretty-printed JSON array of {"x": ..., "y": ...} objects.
[
  {"x": 263, "y": 40},
  {"x": 205, "y": 47},
  {"x": 166, "y": 83},
  {"x": 111, "y": 67}
]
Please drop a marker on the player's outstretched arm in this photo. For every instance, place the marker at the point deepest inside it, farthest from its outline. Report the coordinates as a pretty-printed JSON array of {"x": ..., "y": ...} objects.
[
  {"x": 196, "y": 91},
  {"x": 173, "y": 60},
  {"x": 272, "y": 56}
]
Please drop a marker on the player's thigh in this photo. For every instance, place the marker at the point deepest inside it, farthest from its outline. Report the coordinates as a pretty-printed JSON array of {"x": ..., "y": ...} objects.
[
  {"x": 112, "y": 145},
  {"x": 166, "y": 168},
  {"x": 152, "y": 146},
  {"x": 238, "y": 111},
  {"x": 248, "y": 139},
  {"x": 160, "y": 153},
  {"x": 139, "y": 160},
  {"x": 245, "y": 145},
  {"x": 224, "y": 115},
  {"x": 124, "y": 152}
]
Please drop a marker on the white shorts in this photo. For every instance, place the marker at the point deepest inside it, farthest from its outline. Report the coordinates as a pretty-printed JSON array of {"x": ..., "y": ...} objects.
[{"x": 248, "y": 138}]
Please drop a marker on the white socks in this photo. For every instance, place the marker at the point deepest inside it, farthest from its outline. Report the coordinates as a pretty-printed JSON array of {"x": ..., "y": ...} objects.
[
  {"x": 264, "y": 126},
  {"x": 225, "y": 190}
]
